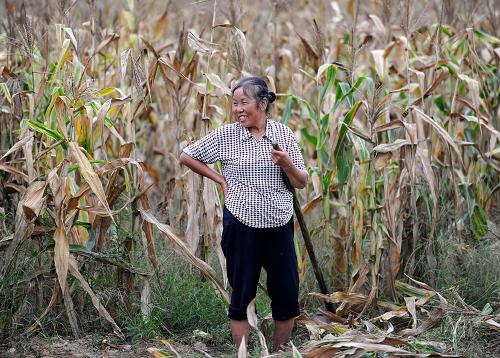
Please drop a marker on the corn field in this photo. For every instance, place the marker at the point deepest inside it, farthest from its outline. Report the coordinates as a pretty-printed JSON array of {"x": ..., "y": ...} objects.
[{"x": 395, "y": 105}]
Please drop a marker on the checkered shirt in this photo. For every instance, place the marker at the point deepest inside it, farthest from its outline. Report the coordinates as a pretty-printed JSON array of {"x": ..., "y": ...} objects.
[{"x": 257, "y": 195}]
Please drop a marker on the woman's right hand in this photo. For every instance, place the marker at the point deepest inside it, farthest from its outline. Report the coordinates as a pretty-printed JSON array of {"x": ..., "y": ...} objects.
[{"x": 222, "y": 182}]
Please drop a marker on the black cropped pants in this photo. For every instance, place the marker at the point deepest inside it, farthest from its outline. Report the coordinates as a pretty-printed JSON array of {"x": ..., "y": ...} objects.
[{"x": 249, "y": 249}]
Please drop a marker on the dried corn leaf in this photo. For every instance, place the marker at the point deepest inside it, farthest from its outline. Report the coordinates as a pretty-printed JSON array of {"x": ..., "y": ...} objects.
[
  {"x": 183, "y": 250},
  {"x": 328, "y": 327},
  {"x": 380, "y": 63},
  {"x": 145, "y": 297},
  {"x": 12, "y": 170},
  {"x": 252, "y": 320},
  {"x": 400, "y": 312},
  {"x": 383, "y": 160},
  {"x": 158, "y": 353},
  {"x": 378, "y": 23},
  {"x": 352, "y": 298},
  {"x": 217, "y": 82},
  {"x": 92, "y": 179},
  {"x": 200, "y": 45},
  {"x": 410, "y": 306},
  {"x": 73, "y": 268},
  {"x": 124, "y": 59},
  {"x": 396, "y": 123},
  {"x": 344, "y": 344},
  {"x": 435, "y": 318},
  {"x": 473, "y": 85},
  {"x": 108, "y": 39},
  {"x": 391, "y": 147},
  {"x": 18, "y": 145},
  {"x": 34, "y": 199},
  {"x": 212, "y": 206},
  {"x": 61, "y": 255},
  {"x": 70, "y": 311},
  {"x": 493, "y": 324},
  {"x": 192, "y": 189},
  {"x": 242, "y": 349},
  {"x": 439, "y": 129},
  {"x": 53, "y": 299},
  {"x": 161, "y": 24},
  {"x": 22, "y": 230}
]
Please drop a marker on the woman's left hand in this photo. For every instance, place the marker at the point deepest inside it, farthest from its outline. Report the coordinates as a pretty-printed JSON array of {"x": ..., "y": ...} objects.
[{"x": 281, "y": 158}]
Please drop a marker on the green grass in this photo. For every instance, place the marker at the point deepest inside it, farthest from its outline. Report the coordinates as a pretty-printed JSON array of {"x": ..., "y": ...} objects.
[{"x": 185, "y": 302}]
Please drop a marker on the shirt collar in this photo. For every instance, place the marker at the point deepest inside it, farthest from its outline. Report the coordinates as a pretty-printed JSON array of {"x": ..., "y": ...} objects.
[{"x": 245, "y": 132}]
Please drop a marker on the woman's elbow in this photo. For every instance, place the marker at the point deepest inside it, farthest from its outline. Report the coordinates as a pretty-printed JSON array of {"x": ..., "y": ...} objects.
[{"x": 183, "y": 158}]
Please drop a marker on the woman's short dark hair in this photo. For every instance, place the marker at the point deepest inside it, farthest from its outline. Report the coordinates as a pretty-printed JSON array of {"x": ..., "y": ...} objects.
[{"x": 255, "y": 87}]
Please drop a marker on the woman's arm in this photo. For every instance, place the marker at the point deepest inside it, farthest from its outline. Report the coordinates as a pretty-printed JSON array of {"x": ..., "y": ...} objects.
[
  {"x": 204, "y": 170},
  {"x": 298, "y": 178}
]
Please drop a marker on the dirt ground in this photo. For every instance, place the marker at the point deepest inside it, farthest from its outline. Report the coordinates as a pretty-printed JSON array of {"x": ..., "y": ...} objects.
[
  {"x": 93, "y": 347},
  {"x": 88, "y": 347}
]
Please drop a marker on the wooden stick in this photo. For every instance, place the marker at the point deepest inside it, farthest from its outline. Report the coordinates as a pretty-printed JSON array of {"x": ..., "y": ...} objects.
[{"x": 307, "y": 238}]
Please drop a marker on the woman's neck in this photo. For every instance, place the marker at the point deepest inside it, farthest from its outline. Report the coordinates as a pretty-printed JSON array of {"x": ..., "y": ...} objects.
[{"x": 260, "y": 128}]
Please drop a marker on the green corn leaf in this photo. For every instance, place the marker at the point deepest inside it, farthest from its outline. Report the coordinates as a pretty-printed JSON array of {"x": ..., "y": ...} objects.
[
  {"x": 310, "y": 110},
  {"x": 439, "y": 102},
  {"x": 75, "y": 166},
  {"x": 295, "y": 352},
  {"x": 343, "y": 129},
  {"x": 106, "y": 91},
  {"x": 108, "y": 122},
  {"x": 409, "y": 289},
  {"x": 347, "y": 91},
  {"x": 344, "y": 166},
  {"x": 479, "y": 223},
  {"x": 326, "y": 180},
  {"x": 78, "y": 71},
  {"x": 330, "y": 80},
  {"x": 61, "y": 60},
  {"x": 427, "y": 347},
  {"x": 342, "y": 90},
  {"x": 446, "y": 30},
  {"x": 324, "y": 129},
  {"x": 52, "y": 133},
  {"x": 325, "y": 121},
  {"x": 56, "y": 92},
  {"x": 324, "y": 155},
  {"x": 5, "y": 91},
  {"x": 292, "y": 100},
  {"x": 84, "y": 224},
  {"x": 486, "y": 37},
  {"x": 309, "y": 137},
  {"x": 487, "y": 309}
]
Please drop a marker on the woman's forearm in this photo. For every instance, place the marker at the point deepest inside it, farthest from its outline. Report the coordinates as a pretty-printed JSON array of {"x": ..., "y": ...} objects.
[
  {"x": 297, "y": 177},
  {"x": 201, "y": 168}
]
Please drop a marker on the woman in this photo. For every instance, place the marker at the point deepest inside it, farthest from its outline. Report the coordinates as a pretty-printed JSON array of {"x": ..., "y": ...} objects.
[{"x": 257, "y": 218}]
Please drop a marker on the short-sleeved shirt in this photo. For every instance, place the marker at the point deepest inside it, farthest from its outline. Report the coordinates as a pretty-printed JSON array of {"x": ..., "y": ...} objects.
[{"x": 257, "y": 195}]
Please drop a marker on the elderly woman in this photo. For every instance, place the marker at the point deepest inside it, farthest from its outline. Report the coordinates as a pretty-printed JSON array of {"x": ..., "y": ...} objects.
[{"x": 258, "y": 208}]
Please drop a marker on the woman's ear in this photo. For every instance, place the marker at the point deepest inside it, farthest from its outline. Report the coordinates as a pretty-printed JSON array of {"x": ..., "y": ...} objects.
[{"x": 263, "y": 105}]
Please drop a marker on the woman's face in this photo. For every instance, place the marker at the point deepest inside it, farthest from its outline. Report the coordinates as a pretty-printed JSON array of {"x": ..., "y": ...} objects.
[{"x": 245, "y": 109}]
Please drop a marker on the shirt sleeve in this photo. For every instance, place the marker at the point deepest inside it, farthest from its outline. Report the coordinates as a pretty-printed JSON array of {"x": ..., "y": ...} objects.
[
  {"x": 206, "y": 149},
  {"x": 294, "y": 152}
]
